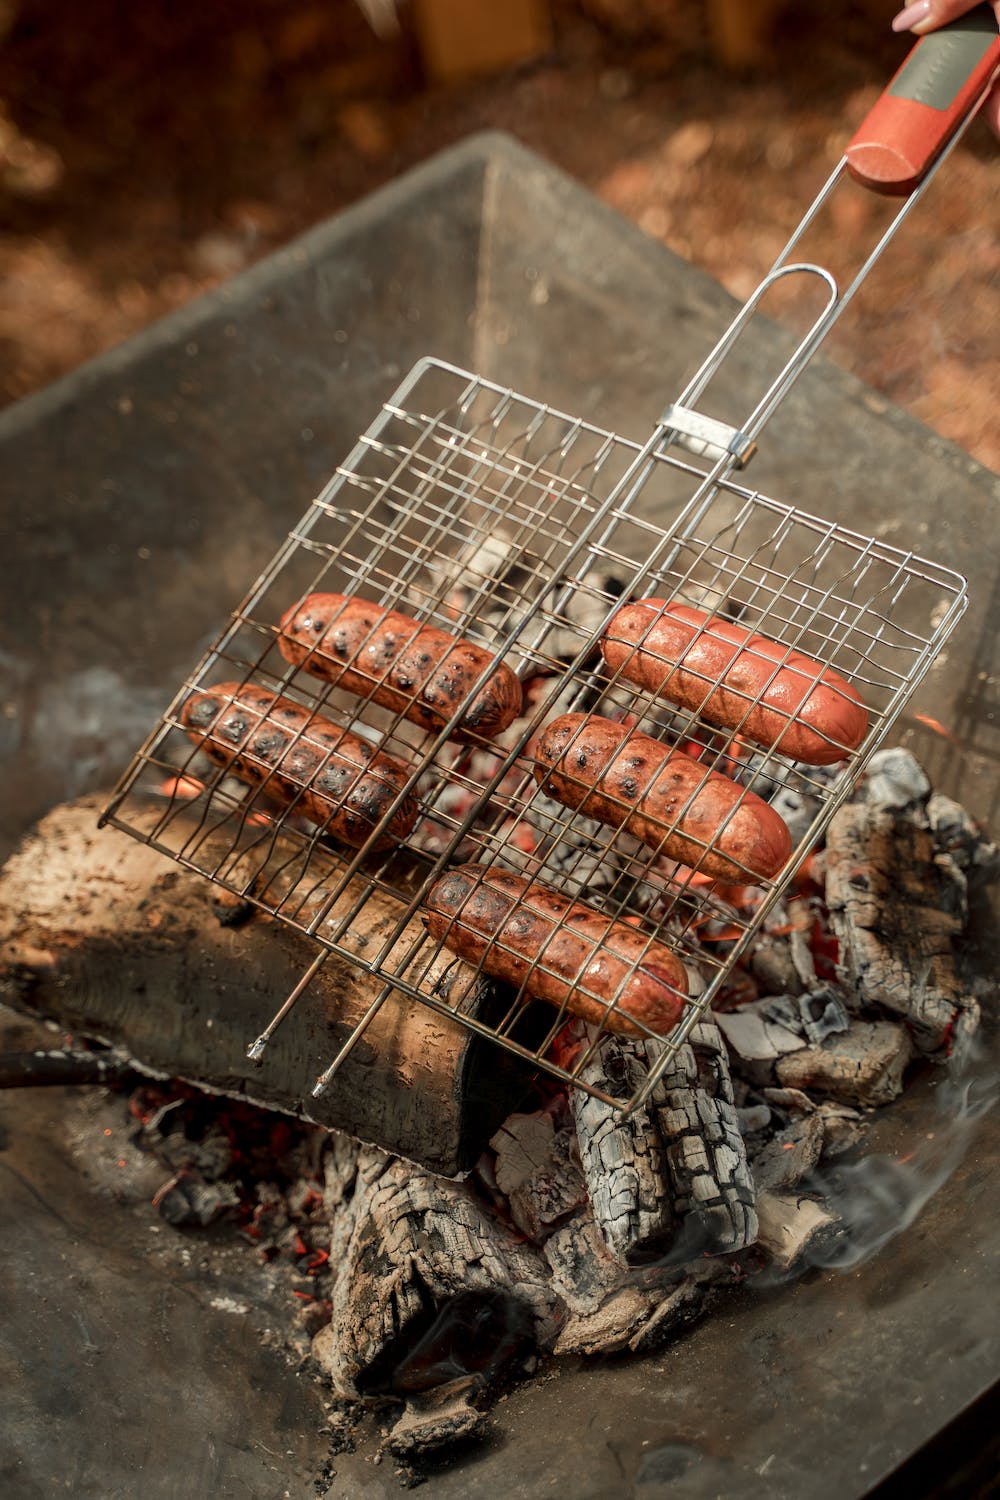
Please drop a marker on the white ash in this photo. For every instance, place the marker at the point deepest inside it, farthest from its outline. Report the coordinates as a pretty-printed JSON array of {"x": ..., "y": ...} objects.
[
  {"x": 959, "y": 838},
  {"x": 757, "y": 1038},
  {"x": 895, "y": 778},
  {"x": 813, "y": 1016}
]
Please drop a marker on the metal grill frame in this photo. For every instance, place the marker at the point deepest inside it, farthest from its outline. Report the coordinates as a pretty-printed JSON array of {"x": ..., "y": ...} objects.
[{"x": 434, "y": 479}]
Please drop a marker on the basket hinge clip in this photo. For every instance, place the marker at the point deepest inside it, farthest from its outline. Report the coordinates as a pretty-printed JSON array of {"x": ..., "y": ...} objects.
[{"x": 706, "y": 436}]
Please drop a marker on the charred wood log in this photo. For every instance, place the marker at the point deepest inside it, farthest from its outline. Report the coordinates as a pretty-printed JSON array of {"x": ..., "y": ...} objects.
[
  {"x": 431, "y": 1288},
  {"x": 672, "y": 1177},
  {"x": 897, "y": 906},
  {"x": 610, "y": 1308},
  {"x": 61, "y": 1067},
  {"x": 113, "y": 940},
  {"x": 793, "y": 1228}
]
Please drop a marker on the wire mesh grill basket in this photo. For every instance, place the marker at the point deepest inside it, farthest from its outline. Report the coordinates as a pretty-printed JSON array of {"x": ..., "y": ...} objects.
[{"x": 478, "y": 511}]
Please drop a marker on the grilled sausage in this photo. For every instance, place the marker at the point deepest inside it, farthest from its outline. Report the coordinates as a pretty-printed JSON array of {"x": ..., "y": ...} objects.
[
  {"x": 561, "y": 951},
  {"x": 737, "y": 680},
  {"x": 266, "y": 739},
  {"x": 660, "y": 796},
  {"x": 415, "y": 670}
]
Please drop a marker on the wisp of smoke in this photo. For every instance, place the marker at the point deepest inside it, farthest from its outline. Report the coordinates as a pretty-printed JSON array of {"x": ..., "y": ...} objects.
[{"x": 879, "y": 1197}]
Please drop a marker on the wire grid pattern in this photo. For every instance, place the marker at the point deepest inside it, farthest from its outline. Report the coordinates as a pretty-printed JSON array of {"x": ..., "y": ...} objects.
[{"x": 479, "y": 511}]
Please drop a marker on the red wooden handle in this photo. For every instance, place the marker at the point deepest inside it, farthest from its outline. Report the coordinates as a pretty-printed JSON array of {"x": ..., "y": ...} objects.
[{"x": 941, "y": 80}]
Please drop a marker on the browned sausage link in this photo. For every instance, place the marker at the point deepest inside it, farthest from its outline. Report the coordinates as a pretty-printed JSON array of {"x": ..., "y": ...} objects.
[
  {"x": 332, "y": 776},
  {"x": 415, "y": 670},
  {"x": 740, "y": 681},
  {"x": 558, "y": 950},
  {"x": 660, "y": 796}
]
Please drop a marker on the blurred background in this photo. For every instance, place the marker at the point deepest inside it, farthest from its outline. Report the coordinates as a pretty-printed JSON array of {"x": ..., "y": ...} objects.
[{"x": 150, "y": 150}]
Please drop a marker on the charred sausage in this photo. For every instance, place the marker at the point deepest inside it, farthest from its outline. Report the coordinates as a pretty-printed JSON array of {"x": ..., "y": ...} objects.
[
  {"x": 559, "y": 950},
  {"x": 660, "y": 796},
  {"x": 332, "y": 776},
  {"x": 737, "y": 680},
  {"x": 415, "y": 670}
]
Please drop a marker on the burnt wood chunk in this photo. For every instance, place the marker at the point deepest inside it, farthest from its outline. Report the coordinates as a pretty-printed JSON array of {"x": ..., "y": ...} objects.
[
  {"x": 538, "y": 1171},
  {"x": 897, "y": 895},
  {"x": 431, "y": 1286},
  {"x": 112, "y": 939},
  {"x": 862, "y": 1065},
  {"x": 794, "y": 1228},
  {"x": 672, "y": 1177},
  {"x": 609, "y": 1308}
]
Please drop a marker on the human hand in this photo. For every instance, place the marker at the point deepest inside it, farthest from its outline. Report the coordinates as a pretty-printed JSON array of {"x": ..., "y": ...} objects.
[{"x": 928, "y": 15}]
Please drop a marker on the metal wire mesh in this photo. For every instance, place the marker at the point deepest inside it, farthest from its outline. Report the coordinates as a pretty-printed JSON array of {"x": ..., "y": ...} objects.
[{"x": 475, "y": 510}]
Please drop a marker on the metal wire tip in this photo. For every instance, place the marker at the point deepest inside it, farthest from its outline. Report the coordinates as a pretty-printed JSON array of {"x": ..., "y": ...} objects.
[{"x": 256, "y": 1049}]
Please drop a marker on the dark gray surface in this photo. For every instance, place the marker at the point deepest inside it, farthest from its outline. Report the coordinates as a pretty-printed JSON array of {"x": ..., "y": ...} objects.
[
  {"x": 198, "y": 445},
  {"x": 126, "y": 1370}
]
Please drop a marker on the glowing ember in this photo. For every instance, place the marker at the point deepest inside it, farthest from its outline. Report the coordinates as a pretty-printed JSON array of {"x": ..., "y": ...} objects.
[
  {"x": 936, "y": 725},
  {"x": 181, "y": 786}
]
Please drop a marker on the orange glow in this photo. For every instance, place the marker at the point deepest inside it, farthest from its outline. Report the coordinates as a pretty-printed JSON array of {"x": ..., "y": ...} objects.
[
  {"x": 181, "y": 786},
  {"x": 936, "y": 725}
]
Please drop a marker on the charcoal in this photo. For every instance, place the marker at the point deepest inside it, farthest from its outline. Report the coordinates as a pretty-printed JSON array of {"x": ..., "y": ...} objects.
[
  {"x": 897, "y": 909},
  {"x": 863, "y": 1065},
  {"x": 671, "y": 1178}
]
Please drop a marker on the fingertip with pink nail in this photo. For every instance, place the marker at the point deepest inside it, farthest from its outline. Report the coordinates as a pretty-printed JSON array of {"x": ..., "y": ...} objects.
[{"x": 912, "y": 16}]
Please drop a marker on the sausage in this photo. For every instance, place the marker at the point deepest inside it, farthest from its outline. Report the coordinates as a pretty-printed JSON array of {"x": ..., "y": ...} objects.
[
  {"x": 266, "y": 739},
  {"x": 416, "y": 670},
  {"x": 559, "y": 950},
  {"x": 660, "y": 796},
  {"x": 737, "y": 680}
]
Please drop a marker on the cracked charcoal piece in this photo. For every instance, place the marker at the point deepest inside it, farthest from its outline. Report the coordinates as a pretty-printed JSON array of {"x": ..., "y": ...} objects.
[
  {"x": 538, "y": 1172},
  {"x": 862, "y": 1065},
  {"x": 610, "y": 1307},
  {"x": 431, "y": 1287},
  {"x": 671, "y": 1179},
  {"x": 896, "y": 907}
]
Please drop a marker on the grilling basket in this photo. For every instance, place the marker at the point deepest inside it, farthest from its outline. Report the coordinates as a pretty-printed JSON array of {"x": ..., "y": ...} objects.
[{"x": 490, "y": 733}]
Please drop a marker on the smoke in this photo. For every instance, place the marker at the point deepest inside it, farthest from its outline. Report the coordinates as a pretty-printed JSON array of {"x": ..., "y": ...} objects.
[{"x": 879, "y": 1197}]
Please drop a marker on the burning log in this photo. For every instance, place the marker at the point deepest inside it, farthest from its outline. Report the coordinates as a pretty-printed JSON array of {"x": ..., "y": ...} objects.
[
  {"x": 896, "y": 905},
  {"x": 113, "y": 940},
  {"x": 793, "y": 1227},
  {"x": 673, "y": 1175},
  {"x": 610, "y": 1308},
  {"x": 863, "y": 1065},
  {"x": 62, "y": 1067},
  {"x": 431, "y": 1288},
  {"x": 537, "y": 1170}
]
